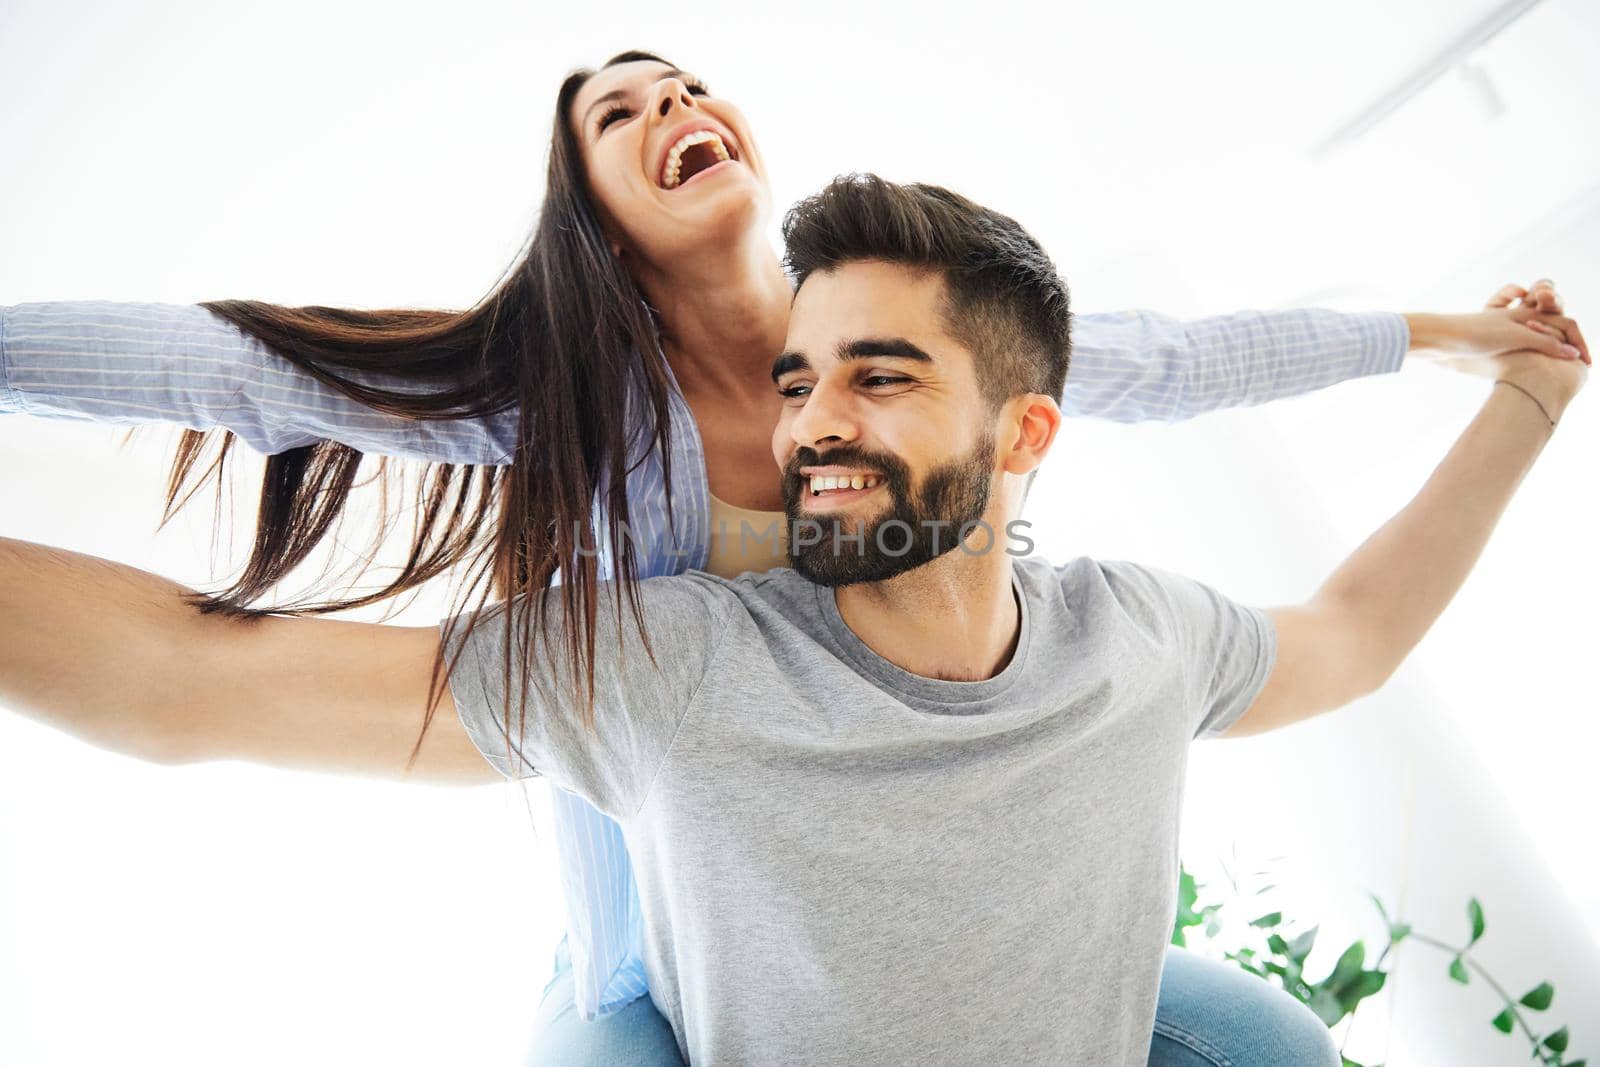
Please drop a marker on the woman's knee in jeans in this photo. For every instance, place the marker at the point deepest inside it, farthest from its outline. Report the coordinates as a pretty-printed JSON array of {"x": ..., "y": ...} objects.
[
  {"x": 637, "y": 1035},
  {"x": 1214, "y": 1014}
]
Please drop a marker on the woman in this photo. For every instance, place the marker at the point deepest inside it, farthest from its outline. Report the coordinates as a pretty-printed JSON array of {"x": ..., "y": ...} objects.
[{"x": 628, "y": 354}]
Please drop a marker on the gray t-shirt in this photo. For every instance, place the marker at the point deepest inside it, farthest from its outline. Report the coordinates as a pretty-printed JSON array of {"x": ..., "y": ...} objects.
[{"x": 841, "y": 862}]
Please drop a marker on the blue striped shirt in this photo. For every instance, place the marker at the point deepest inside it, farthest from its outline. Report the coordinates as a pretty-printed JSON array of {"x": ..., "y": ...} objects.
[{"x": 178, "y": 363}]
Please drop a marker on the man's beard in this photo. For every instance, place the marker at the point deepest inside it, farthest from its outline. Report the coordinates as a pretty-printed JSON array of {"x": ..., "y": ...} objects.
[{"x": 916, "y": 529}]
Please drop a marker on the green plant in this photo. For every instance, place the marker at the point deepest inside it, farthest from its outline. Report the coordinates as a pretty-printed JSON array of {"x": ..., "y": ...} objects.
[{"x": 1280, "y": 959}]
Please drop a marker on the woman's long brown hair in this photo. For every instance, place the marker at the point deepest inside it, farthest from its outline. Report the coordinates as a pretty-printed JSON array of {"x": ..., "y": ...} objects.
[{"x": 563, "y": 340}]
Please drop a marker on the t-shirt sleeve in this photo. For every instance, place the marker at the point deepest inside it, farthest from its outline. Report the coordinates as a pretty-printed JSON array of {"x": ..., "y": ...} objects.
[
  {"x": 1227, "y": 649},
  {"x": 637, "y": 706}
]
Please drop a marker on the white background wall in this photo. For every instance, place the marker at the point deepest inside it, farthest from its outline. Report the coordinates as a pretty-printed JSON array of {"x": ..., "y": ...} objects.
[{"x": 392, "y": 154}]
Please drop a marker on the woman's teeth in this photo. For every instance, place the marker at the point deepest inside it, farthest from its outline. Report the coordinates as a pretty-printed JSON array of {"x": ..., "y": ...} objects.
[
  {"x": 823, "y": 482},
  {"x": 669, "y": 172}
]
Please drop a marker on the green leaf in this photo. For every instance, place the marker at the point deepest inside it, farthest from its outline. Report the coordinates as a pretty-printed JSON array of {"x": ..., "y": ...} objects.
[
  {"x": 1277, "y": 944},
  {"x": 1475, "y": 913},
  {"x": 1271, "y": 918},
  {"x": 1345, "y": 971},
  {"x": 1327, "y": 1007},
  {"x": 1366, "y": 984},
  {"x": 1300, "y": 947},
  {"x": 1578, "y": 1063},
  {"x": 1557, "y": 1042},
  {"x": 1185, "y": 916},
  {"x": 1397, "y": 931},
  {"x": 1186, "y": 890},
  {"x": 1502, "y": 1022},
  {"x": 1539, "y": 997},
  {"x": 1458, "y": 970},
  {"x": 1186, "y": 909}
]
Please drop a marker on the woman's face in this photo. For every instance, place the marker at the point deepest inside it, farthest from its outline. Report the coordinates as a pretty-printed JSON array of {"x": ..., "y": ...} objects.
[{"x": 673, "y": 170}]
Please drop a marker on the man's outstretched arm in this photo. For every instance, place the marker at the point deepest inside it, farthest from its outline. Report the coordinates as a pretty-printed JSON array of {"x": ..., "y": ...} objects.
[
  {"x": 115, "y": 656},
  {"x": 1373, "y": 610}
]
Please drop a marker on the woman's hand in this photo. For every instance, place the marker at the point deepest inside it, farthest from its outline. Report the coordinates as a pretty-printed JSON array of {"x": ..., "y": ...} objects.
[
  {"x": 1544, "y": 298},
  {"x": 1514, "y": 319}
]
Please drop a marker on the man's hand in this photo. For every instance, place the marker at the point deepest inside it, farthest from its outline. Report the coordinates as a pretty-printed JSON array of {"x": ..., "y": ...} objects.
[
  {"x": 1514, "y": 319},
  {"x": 1554, "y": 382}
]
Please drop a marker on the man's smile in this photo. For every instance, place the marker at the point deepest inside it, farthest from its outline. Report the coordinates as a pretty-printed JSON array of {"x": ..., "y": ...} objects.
[{"x": 837, "y": 497}]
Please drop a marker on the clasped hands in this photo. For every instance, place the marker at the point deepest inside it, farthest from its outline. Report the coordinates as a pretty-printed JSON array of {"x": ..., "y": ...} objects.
[{"x": 1521, "y": 335}]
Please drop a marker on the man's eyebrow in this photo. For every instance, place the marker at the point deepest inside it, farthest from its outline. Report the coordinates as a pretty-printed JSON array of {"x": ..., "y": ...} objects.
[
  {"x": 618, "y": 94},
  {"x": 789, "y": 361},
  {"x": 860, "y": 348},
  {"x": 867, "y": 347}
]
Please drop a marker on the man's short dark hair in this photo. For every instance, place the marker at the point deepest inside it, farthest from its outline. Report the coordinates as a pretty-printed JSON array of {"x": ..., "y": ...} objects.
[{"x": 1003, "y": 298}]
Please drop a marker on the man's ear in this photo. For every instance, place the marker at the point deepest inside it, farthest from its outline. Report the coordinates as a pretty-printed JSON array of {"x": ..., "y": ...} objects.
[{"x": 1032, "y": 420}]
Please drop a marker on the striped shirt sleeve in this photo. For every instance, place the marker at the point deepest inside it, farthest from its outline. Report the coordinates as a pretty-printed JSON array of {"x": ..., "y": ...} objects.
[
  {"x": 1136, "y": 366},
  {"x": 128, "y": 363},
  {"x": 178, "y": 363}
]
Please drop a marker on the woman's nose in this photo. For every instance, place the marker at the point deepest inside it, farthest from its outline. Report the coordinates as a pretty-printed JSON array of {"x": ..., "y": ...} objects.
[{"x": 673, "y": 94}]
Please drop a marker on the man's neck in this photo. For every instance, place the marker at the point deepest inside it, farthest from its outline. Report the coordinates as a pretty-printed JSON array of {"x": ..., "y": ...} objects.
[{"x": 955, "y": 618}]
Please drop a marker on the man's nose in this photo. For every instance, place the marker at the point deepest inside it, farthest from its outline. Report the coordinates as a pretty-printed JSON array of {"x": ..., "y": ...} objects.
[{"x": 827, "y": 418}]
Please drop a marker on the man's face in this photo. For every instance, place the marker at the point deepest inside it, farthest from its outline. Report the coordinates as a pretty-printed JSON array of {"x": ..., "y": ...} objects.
[{"x": 886, "y": 445}]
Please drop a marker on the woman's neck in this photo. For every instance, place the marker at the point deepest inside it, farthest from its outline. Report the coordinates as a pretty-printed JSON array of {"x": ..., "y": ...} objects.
[{"x": 724, "y": 318}]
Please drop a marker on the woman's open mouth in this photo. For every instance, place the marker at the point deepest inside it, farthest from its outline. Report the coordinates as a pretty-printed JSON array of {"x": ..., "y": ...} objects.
[{"x": 692, "y": 155}]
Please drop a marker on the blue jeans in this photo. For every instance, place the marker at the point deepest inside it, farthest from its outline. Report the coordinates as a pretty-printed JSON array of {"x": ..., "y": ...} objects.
[{"x": 1209, "y": 1014}]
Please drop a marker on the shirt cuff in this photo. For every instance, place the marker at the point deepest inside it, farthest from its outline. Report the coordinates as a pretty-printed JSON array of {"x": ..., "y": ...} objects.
[
  {"x": 10, "y": 399},
  {"x": 1385, "y": 340}
]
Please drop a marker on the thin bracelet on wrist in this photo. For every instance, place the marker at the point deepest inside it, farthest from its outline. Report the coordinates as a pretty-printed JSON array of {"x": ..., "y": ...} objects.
[{"x": 1530, "y": 396}]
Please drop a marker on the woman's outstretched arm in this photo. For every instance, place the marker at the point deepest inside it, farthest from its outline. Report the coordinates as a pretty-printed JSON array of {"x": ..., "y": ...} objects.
[
  {"x": 133, "y": 363},
  {"x": 117, "y": 657},
  {"x": 1138, "y": 366}
]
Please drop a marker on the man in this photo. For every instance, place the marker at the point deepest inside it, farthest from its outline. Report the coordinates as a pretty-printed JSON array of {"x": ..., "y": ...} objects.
[{"x": 913, "y": 801}]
